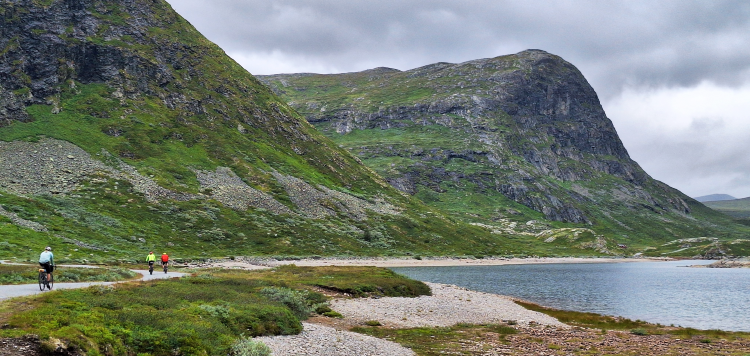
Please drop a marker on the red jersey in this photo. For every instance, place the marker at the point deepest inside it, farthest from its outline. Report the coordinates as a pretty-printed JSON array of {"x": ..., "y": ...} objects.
[{"x": 165, "y": 258}]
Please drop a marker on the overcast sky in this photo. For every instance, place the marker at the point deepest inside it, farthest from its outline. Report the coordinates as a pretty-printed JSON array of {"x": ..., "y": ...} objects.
[{"x": 674, "y": 76}]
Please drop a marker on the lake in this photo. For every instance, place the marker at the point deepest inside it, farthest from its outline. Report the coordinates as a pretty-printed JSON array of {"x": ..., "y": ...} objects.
[{"x": 657, "y": 292}]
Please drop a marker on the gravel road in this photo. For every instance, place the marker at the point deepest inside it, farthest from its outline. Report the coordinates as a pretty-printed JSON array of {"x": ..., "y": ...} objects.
[{"x": 12, "y": 291}]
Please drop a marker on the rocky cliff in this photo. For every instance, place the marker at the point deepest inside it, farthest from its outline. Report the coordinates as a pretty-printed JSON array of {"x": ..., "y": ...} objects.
[
  {"x": 515, "y": 137},
  {"x": 123, "y": 129}
]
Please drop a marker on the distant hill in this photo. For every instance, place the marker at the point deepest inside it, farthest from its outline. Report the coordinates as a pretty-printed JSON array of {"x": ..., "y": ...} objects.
[
  {"x": 714, "y": 197},
  {"x": 738, "y": 208}
]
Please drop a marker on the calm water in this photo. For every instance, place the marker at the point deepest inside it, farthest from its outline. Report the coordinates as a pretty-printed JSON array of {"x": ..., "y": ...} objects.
[{"x": 658, "y": 292}]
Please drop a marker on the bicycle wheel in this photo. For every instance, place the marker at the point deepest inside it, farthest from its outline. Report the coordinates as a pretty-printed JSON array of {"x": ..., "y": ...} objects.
[
  {"x": 150, "y": 269},
  {"x": 165, "y": 269},
  {"x": 42, "y": 279},
  {"x": 51, "y": 281}
]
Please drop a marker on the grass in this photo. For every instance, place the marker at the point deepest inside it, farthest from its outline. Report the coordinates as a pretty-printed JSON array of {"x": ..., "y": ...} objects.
[
  {"x": 591, "y": 330},
  {"x": 205, "y": 314},
  {"x": 439, "y": 341},
  {"x": 635, "y": 327},
  {"x": 355, "y": 281},
  {"x": 588, "y": 320},
  {"x": 25, "y": 274}
]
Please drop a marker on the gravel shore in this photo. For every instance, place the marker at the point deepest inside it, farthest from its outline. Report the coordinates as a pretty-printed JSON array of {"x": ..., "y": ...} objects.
[
  {"x": 319, "y": 340},
  {"x": 449, "y": 305}
]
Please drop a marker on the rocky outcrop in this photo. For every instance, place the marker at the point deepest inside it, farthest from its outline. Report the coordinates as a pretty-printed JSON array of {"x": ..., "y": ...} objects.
[{"x": 522, "y": 118}]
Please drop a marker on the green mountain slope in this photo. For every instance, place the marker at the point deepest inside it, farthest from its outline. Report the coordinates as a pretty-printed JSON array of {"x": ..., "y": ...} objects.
[
  {"x": 123, "y": 130},
  {"x": 519, "y": 144}
]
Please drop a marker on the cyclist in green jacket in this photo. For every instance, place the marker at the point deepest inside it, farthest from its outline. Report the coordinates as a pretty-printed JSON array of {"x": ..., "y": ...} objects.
[{"x": 151, "y": 259}]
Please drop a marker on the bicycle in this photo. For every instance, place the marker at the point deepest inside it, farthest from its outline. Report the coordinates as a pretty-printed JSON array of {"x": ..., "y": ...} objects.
[
  {"x": 43, "y": 282},
  {"x": 165, "y": 265},
  {"x": 150, "y": 268}
]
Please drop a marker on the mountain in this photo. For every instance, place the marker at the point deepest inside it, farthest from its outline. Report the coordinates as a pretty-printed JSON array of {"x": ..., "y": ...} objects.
[
  {"x": 124, "y": 130},
  {"x": 737, "y": 208},
  {"x": 714, "y": 197},
  {"x": 516, "y": 143}
]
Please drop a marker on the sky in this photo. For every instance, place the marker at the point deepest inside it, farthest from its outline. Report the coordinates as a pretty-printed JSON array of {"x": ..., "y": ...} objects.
[{"x": 672, "y": 75}]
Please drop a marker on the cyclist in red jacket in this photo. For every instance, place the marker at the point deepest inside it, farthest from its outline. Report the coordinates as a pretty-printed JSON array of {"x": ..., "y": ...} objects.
[{"x": 164, "y": 261}]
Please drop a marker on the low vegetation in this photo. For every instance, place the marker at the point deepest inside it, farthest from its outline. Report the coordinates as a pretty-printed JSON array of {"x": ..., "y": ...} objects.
[
  {"x": 592, "y": 334},
  {"x": 635, "y": 327},
  {"x": 24, "y": 274},
  {"x": 209, "y": 313},
  {"x": 587, "y": 320},
  {"x": 455, "y": 340}
]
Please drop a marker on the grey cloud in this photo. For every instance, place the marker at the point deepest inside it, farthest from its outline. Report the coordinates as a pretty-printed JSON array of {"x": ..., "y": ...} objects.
[
  {"x": 705, "y": 158},
  {"x": 642, "y": 43},
  {"x": 618, "y": 45}
]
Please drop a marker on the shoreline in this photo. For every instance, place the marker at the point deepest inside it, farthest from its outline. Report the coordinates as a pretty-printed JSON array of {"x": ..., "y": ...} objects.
[
  {"x": 249, "y": 263},
  {"x": 452, "y": 309}
]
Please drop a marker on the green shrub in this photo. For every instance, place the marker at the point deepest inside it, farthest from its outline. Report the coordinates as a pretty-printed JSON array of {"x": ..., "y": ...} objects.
[
  {"x": 640, "y": 332},
  {"x": 373, "y": 323},
  {"x": 296, "y": 301},
  {"x": 321, "y": 309},
  {"x": 250, "y": 347},
  {"x": 333, "y": 314}
]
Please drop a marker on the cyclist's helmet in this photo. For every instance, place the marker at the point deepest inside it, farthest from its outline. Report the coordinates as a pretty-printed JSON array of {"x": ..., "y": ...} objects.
[
  {"x": 48, "y": 248},
  {"x": 164, "y": 253},
  {"x": 151, "y": 252}
]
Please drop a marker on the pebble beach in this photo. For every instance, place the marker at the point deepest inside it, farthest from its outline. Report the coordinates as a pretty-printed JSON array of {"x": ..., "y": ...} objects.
[{"x": 448, "y": 305}]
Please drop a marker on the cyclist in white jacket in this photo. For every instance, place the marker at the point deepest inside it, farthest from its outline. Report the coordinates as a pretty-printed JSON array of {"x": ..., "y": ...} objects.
[{"x": 46, "y": 260}]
